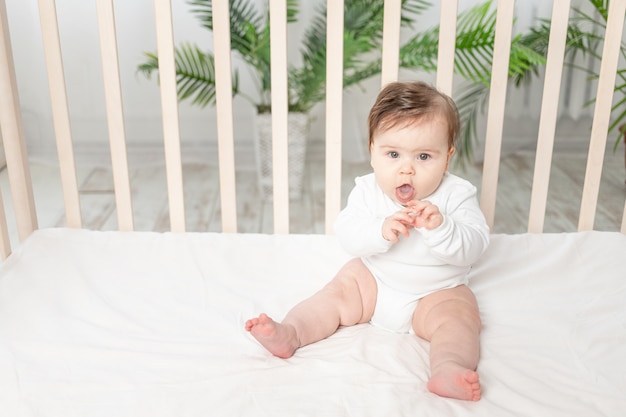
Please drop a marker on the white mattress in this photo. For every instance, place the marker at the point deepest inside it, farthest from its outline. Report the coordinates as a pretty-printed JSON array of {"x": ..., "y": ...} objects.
[{"x": 147, "y": 324}]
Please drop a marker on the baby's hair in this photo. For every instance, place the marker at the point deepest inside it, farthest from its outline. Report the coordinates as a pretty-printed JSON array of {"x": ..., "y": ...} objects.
[{"x": 404, "y": 103}]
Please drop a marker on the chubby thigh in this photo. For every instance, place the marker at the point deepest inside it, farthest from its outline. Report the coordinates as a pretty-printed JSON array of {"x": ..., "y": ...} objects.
[{"x": 356, "y": 290}]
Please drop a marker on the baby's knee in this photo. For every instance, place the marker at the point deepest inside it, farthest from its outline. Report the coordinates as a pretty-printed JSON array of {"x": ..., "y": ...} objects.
[
  {"x": 465, "y": 315},
  {"x": 354, "y": 292},
  {"x": 451, "y": 313}
]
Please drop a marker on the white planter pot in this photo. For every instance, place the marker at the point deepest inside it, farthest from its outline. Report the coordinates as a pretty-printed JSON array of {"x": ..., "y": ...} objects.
[{"x": 298, "y": 129}]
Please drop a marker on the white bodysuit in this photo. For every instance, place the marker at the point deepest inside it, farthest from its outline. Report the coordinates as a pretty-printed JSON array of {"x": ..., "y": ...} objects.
[{"x": 426, "y": 261}]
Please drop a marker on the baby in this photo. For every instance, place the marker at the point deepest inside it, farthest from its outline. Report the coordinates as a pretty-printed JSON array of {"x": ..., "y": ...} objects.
[{"x": 415, "y": 231}]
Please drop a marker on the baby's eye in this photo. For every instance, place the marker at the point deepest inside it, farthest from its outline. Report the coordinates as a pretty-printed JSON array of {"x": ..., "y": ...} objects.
[
  {"x": 423, "y": 156},
  {"x": 393, "y": 154}
]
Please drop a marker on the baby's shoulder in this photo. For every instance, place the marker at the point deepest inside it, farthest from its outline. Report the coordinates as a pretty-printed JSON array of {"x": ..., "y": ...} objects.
[
  {"x": 366, "y": 192},
  {"x": 455, "y": 182},
  {"x": 365, "y": 180},
  {"x": 365, "y": 183}
]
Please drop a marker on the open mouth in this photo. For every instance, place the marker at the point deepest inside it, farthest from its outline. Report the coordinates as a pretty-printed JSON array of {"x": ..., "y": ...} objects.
[{"x": 405, "y": 193}]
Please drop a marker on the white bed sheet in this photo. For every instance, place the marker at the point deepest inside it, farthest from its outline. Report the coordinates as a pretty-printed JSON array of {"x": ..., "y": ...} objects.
[{"x": 147, "y": 324}]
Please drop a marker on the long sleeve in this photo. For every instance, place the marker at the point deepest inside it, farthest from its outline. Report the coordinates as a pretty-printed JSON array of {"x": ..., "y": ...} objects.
[
  {"x": 464, "y": 234},
  {"x": 358, "y": 227}
]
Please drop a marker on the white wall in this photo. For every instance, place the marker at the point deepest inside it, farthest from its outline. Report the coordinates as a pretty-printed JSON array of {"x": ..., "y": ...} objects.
[{"x": 136, "y": 34}]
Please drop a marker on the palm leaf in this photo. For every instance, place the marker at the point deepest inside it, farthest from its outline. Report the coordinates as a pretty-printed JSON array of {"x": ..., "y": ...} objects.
[
  {"x": 150, "y": 65},
  {"x": 244, "y": 22},
  {"x": 474, "y": 43},
  {"x": 195, "y": 74}
]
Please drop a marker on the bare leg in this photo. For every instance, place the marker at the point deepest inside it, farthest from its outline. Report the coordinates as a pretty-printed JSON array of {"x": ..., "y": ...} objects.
[
  {"x": 348, "y": 299},
  {"x": 450, "y": 320}
]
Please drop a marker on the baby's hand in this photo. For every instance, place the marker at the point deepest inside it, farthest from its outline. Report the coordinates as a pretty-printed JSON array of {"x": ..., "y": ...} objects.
[
  {"x": 397, "y": 224},
  {"x": 424, "y": 214}
]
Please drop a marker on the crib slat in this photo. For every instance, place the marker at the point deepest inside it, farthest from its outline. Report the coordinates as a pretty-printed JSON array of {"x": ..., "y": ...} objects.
[
  {"x": 391, "y": 41},
  {"x": 549, "y": 109},
  {"x": 447, "y": 45},
  {"x": 115, "y": 114},
  {"x": 334, "y": 109},
  {"x": 224, "y": 108},
  {"x": 495, "y": 117},
  {"x": 60, "y": 111},
  {"x": 13, "y": 136},
  {"x": 602, "y": 113},
  {"x": 169, "y": 106},
  {"x": 280, "y": 156}
]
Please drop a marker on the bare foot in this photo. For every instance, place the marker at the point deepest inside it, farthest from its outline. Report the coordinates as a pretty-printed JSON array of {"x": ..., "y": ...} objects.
[
  {"x": 456, "y": 382},
  {"x": 279, "y": 339}
]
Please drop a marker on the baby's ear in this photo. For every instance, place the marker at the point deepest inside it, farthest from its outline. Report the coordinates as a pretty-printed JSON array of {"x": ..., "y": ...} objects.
[{"x": 450, "y": 153}]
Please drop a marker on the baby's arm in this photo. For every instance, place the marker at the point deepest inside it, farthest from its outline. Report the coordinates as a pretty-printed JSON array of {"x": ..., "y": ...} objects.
[
  {"x": 461, "y": 235},
  {"x": 360, "y": 231}
]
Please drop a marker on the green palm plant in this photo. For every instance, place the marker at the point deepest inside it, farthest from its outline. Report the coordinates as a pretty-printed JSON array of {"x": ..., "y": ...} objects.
[
  {"x": 362, "y": 40},
  {"x": 528, "y": 55},
  {"x": 250, "y": 41}
]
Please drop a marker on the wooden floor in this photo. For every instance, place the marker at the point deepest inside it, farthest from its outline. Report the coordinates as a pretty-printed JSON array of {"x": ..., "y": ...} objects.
[{"x": 307, "y": 215}]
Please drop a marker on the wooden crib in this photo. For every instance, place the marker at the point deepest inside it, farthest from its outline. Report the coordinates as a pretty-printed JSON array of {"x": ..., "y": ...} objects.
[{"x": 146, "y": 323}]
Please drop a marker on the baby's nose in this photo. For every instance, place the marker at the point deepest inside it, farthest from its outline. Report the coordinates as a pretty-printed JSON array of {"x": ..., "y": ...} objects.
[{"x": 407, "y": 169}]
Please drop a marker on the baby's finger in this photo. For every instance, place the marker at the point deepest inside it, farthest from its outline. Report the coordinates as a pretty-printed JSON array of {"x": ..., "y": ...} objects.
[
  {"x": 392, "y": 237},
  {"x": 403, "y": 216},
  {"x": 421, "y": 205},
  {"x": 429, "y": 211},
  {"x": 399, "y": 228}
]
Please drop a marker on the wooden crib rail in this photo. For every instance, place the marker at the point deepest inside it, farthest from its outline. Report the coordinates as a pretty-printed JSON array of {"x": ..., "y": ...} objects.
[
  {"x": 495, "y": 116},
  {"x": 15, "y": 143},
  {"x": 60, "y": 112},
  {"x": 225, "y": 135},
  {"x": 602, "y": 112},
  {"x": 171, "y": 130},
  {"x": 334, "y": 82},
  {"x": 115, "y": 112},
  {"x": 549, "y": 105}
]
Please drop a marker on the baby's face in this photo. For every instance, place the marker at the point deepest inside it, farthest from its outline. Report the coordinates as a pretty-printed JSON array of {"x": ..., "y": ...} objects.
[{"x": 409, "y": 162}]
